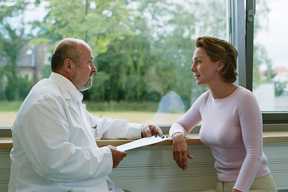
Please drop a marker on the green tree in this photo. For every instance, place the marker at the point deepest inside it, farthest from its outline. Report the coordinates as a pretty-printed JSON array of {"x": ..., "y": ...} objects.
[
  {"x": 260, "y": 53},
  {"x": 143, "y": 48},
  {"x": 12, "y": 39},
  {"x": 98, "y": 21},
  {"x": 173, "y": 27},
  {"x": 126, "y": 62}
]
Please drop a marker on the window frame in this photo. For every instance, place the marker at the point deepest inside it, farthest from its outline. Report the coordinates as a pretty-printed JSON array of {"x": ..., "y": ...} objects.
[
  {"x": 241, "y": 30},
  {"x": 240, "y": 27}
]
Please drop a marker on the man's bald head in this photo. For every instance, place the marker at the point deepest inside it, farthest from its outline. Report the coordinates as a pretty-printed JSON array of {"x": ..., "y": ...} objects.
[{"x": 66, "y": 48}]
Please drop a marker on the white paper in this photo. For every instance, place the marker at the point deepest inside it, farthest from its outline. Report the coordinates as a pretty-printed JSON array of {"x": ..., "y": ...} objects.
[{"x": 142, "y": 142}]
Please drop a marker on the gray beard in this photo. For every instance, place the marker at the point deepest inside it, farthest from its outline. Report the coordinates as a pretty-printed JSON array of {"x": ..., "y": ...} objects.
[{"x": 88, "y": 85}]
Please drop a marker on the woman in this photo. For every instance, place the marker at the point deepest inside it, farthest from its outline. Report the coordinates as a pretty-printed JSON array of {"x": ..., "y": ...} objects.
[{"x": 231, "y": 123}]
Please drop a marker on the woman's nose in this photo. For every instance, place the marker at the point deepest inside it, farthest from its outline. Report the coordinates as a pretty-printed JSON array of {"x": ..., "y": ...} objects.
[{"x": 193, "y": 67}]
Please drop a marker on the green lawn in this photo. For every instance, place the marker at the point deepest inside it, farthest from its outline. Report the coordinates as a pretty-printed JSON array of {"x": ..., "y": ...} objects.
[
  {"x": 122, "y": 106},
  {"x": 10, "y": 106},
  {"x": 134, "y": 112}
]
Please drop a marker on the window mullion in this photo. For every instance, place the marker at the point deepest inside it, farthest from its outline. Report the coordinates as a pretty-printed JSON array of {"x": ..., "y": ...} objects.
[
  {"x": 249, "y": 42},
  {"x": 236, "y": 16}
]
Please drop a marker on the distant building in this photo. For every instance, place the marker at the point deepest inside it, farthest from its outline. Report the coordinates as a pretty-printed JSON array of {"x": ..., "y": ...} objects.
[
  {"x": 281, "y": 70},
  {"x": 31, "y": 61}
]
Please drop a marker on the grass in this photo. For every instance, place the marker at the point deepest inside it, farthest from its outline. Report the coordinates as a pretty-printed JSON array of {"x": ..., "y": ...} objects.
[
  {"x": 13, "y": 106},
  {"x": 9, "y": 106},
  {"x": 122, "y": 106},
  {"x": 133, "y": 112}
]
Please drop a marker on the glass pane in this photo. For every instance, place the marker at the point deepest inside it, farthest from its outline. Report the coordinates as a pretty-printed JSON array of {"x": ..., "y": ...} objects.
[
  {"x": 143, "y": 50},
  {"x": 270, "y": 80}
]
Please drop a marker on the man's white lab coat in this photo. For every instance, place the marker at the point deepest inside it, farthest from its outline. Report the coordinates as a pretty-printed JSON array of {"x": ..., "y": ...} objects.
[{"x": 54, "y": 146}]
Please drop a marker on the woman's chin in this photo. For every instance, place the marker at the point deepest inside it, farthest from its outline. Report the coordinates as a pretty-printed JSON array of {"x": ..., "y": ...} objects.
[{"x": 199, "y": 82}]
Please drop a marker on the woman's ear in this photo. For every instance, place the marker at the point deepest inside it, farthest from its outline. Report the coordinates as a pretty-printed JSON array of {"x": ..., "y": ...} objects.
[{"x": 220, "y": 66}]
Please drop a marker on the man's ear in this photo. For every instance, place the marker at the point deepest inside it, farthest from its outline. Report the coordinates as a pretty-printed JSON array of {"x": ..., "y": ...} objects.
[{"x": 68, "y": 65}]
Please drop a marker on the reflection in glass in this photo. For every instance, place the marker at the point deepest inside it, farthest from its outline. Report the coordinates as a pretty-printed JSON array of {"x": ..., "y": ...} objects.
[
  {"x": 270, "y": 75},
  {"x": 143, "y": 49},
  {"x": 170, "y": 106}
]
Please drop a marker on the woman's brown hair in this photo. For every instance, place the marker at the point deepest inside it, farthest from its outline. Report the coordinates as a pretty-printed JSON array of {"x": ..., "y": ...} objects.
[{"x": 220, "y": 50}]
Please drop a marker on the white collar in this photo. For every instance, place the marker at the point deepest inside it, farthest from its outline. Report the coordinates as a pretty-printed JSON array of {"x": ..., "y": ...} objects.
[{"x": 66, "y": 87}]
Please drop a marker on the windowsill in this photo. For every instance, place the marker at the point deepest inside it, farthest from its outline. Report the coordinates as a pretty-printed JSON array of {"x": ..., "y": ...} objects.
[{"x": 192, "y": 139}]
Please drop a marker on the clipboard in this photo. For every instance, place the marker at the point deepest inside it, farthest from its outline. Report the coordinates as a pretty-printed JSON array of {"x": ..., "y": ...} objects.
[{"x": 142, "y": 142}]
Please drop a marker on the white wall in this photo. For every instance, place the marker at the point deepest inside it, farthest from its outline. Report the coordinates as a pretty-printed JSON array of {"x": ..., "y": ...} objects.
[{"x": 152, "y": 169}]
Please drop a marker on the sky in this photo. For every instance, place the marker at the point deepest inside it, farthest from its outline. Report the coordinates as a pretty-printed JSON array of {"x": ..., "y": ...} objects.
[
  {"x": 274, "y": 38},
  {"x": 33, "y": 13}
]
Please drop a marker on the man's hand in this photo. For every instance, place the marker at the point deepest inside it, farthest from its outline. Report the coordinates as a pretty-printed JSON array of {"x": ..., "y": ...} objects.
[
  {"x": 180, "y": 151},
  {"x": 117, "y": 156},
  {"x": 150, "y": 130}
]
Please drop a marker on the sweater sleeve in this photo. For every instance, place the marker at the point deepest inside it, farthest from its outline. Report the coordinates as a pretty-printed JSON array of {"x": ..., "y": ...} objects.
[
  {"x": 251, "y": 128},
  {"x": 192, "y": 117}
]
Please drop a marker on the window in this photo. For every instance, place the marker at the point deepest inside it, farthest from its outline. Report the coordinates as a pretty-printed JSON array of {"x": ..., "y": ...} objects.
[
  {"x": 143, "y": 52},
  {"x": 266, "y": 84},
  {"x": 270, "y": 70}
]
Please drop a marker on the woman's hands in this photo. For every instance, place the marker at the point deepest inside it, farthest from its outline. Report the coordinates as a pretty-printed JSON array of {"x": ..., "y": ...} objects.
[{"x": 180, "y": 150}]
